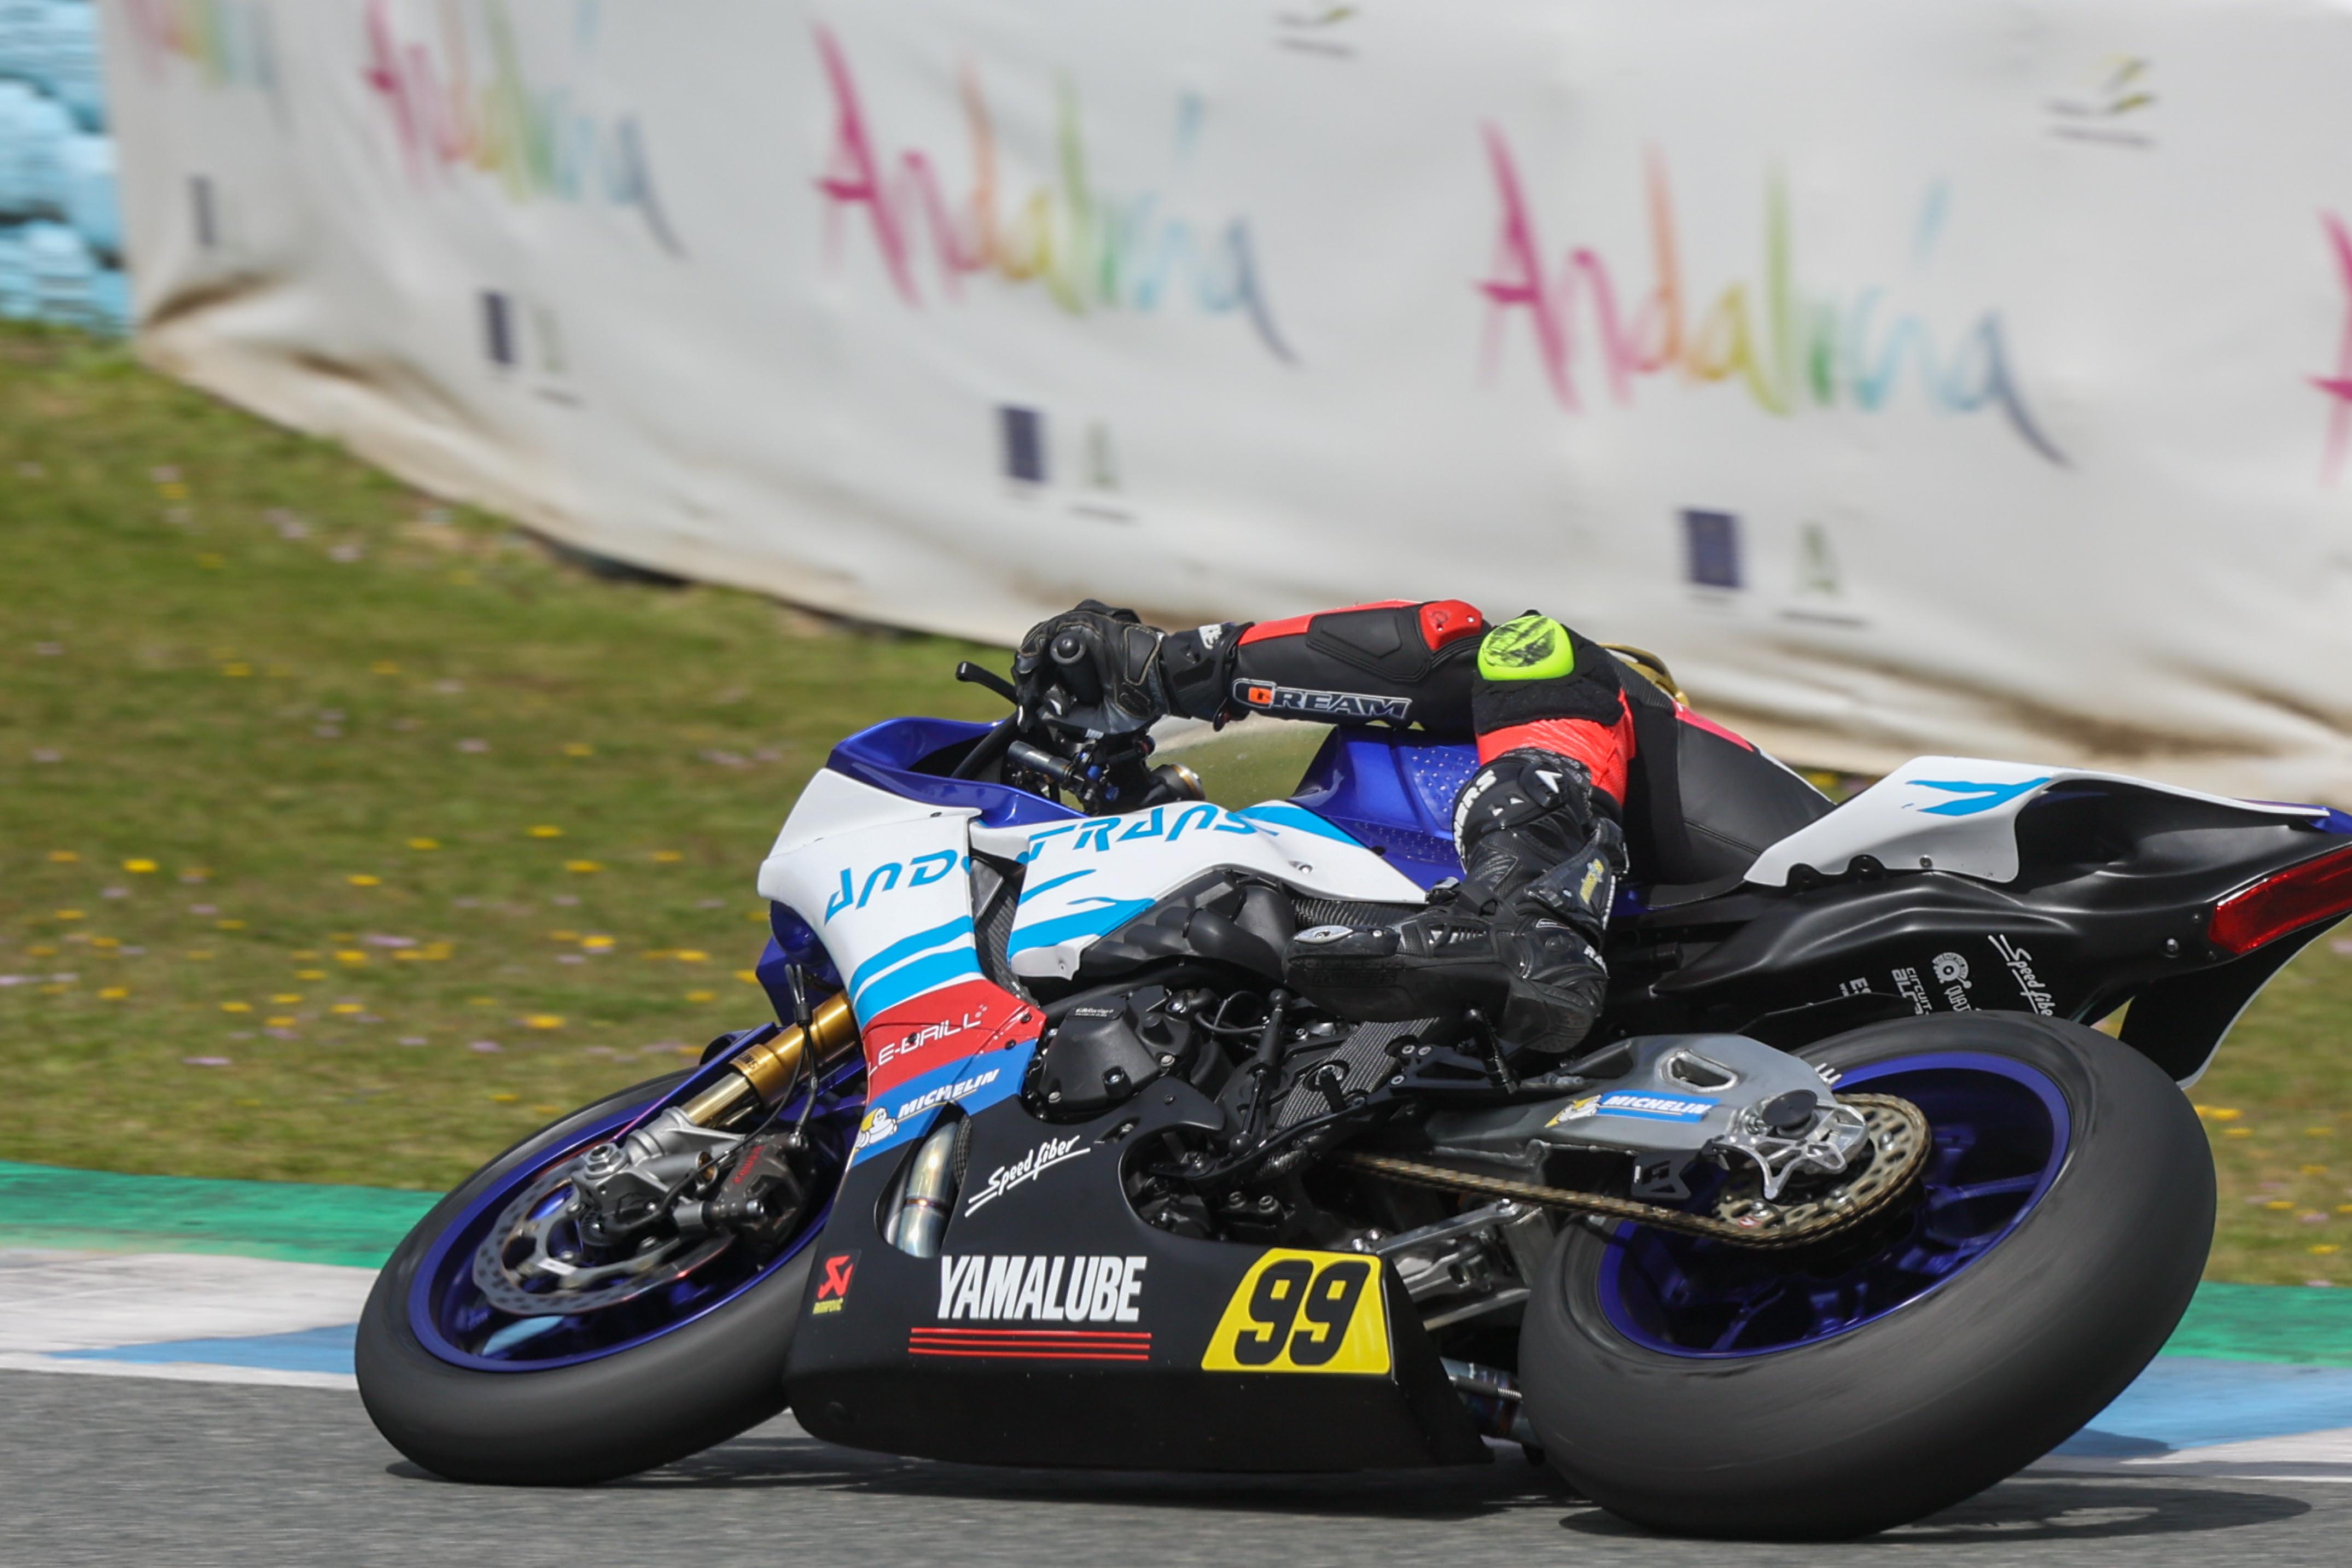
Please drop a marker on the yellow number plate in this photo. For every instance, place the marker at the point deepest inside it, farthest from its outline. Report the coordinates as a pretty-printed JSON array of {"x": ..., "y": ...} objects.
[{"x": 1304, "y": 1312}]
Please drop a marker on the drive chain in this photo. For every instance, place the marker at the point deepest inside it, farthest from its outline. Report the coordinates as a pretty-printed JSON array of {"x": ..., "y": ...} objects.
[{"x": 1899, "y": 1147}]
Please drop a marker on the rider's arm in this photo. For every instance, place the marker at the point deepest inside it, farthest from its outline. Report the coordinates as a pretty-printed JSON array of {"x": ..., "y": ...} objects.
[
  {"x": 1531, "y": 684},
  {"x": 1404, "y": 662},
  {"x": 1528, "y": 684}
]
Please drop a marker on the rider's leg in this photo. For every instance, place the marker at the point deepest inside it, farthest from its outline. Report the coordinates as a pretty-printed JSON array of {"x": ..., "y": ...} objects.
[{"x": 1542, "y": 853}]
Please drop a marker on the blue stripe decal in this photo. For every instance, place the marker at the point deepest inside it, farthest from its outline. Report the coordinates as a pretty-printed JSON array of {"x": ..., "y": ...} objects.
[
  {"x": 1084, "y": 923},
  {"x": 1297, "y": 820},
  {"x": 913, "y": 980},
  {"x": 907, "y": 947},
  {"x": 1033, "y": 889}
]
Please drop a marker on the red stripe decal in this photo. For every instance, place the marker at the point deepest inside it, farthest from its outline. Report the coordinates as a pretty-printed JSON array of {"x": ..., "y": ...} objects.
[
  {"x": 1030, "y": 1344},
  {"x": 1019, "y": 1336},
  {"x": 1030, "y": 1355}
]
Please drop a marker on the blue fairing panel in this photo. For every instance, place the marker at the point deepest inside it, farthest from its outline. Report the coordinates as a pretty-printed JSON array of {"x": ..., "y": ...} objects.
[
  {"x": 886, "y": 756},
  {"x": 1394, "y": 793}
]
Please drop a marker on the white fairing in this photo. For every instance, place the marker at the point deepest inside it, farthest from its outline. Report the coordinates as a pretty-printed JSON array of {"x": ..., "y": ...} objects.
[
  {"x": 1088, "y": 878},
  {"x": 1952, "y": 813},
  {"x": 885, "y": 881}
]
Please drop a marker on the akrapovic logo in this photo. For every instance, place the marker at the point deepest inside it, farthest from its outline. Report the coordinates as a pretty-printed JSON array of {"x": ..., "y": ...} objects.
[
  {"x": 1268, "y": 697},
  {"x": 998, "y": 1288}
]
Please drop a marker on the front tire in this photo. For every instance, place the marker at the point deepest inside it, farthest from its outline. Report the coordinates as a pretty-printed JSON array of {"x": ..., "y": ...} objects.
[
  {"x": 593, "y": 1420},
  {"x": 1869, "y": 1389}
]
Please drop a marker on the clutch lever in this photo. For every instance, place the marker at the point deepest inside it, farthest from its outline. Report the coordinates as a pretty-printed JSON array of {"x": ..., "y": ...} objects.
[{"x": 988, "y": 747}]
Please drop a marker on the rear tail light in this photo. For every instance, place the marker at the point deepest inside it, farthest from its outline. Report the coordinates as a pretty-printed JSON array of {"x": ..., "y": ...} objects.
[{"x": 2315, "y": 890}]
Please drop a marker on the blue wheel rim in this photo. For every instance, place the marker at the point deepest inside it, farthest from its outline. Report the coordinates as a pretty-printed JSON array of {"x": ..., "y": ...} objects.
[
  {"x": 2001, "y": 1135},
  {"x": 451, "y": 1319}
]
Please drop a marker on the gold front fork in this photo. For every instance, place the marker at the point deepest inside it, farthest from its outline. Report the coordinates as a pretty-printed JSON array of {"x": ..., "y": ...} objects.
[{"x": 765, "y": 1072}]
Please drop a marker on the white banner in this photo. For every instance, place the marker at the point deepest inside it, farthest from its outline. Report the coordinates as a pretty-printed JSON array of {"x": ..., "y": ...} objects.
[{"x": 1935, "y": 377}]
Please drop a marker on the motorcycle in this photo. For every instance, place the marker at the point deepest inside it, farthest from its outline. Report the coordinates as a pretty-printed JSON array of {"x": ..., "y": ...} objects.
[{"x": 1842, "y": 1213}]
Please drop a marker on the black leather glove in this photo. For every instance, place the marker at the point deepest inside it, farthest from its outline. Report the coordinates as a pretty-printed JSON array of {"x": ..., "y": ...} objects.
[{"x": 1092, "y": 668}]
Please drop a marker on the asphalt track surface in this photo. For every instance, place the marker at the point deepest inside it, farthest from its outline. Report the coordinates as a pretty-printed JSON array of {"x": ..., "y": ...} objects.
[{"x": 130, "y": 1470}]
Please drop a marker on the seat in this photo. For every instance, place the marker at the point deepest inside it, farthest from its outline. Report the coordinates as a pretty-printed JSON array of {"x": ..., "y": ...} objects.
[{"x": 1710, "y": 802}]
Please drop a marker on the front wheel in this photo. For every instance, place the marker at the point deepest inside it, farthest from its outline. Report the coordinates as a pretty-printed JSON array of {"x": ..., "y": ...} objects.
[
  {"x": 478, "y": 1386},
  {"x": 2056, "y": 1235}
]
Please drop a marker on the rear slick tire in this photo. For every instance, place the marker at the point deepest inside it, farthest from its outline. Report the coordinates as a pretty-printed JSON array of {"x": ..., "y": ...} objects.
[
  {"x": 698, "y": 1385},
  {"x": 1856, "y": 1431}
]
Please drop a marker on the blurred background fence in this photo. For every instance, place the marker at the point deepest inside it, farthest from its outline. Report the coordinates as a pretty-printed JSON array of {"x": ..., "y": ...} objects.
[{"x": 1933, "y": 378}]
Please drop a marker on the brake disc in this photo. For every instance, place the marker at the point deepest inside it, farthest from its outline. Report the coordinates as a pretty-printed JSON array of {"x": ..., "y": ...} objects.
[
  {"x": 1899, "y": 1145},
  {"x": 534, "y": 1262}
]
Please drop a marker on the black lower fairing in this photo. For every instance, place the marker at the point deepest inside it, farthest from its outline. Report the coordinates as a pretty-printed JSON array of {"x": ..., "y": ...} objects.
[
  {"x": 2114, "y": 896},
  {"x": 899, "y": 1359}
]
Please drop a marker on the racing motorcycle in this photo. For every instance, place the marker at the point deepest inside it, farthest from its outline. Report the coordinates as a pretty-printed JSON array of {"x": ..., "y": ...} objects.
[{"x": 1844, "y": 1211}]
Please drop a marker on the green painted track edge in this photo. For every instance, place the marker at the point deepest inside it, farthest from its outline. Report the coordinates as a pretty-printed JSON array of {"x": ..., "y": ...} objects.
[{"x": 105, "y": 1211}]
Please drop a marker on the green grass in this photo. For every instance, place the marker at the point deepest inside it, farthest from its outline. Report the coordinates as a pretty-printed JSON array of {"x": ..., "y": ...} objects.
[
  {"x": 368, "y": 832},
  {"x": 245, "y": 680}
]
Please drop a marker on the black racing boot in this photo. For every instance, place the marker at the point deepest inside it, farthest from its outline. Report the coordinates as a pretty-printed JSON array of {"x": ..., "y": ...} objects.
[{"x": 1519, "y": 935}]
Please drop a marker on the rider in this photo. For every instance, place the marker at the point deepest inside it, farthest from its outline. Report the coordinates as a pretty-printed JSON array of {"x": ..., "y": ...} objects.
[{"x": 1539, "y": 826}]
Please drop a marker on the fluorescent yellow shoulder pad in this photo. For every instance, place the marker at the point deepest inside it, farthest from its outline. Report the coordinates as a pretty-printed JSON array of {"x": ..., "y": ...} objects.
[{"x": 1532, "y": 648}]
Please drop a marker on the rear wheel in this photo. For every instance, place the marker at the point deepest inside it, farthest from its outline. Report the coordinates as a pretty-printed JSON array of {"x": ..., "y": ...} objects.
[
  {"x": 475, "y": 1385},
  {"x": 2050, "y": 1249}
]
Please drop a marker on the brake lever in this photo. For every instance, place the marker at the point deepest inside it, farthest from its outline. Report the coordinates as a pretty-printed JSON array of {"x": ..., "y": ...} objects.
[{"x": 976, "y": 676}]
